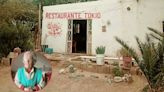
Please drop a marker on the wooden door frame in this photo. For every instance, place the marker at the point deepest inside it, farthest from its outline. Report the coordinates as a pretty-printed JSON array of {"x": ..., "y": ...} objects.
[{"x": 70, "y": 37}]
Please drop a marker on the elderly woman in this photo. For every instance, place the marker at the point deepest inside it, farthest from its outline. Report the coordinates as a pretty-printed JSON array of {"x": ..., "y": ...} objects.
[{"x": 29, "y": 78}]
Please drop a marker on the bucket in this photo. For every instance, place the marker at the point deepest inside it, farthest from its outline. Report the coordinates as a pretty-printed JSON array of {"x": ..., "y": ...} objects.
[{"x": 100, "y": 59}]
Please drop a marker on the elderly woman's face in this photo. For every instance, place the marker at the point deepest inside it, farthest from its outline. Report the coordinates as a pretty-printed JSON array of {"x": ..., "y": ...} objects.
[{"x": 28, "y": 63}]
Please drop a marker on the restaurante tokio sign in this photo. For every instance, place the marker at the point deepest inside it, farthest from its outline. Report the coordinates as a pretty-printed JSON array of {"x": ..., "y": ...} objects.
[
  {"x": 54, "y": 28},
  {"x": 72, "y": 15}
]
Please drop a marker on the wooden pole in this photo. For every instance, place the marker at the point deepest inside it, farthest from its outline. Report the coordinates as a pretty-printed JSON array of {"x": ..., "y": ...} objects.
[{"x": 39, "y": 26}]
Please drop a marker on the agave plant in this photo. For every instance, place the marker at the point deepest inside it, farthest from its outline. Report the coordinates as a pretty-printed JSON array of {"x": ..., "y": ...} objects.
[
  {"x": 100, "y": 50},
  {"x": 151, "y": 61}
]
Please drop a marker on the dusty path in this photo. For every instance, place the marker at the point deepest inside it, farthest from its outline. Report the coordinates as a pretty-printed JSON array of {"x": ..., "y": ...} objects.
[{"x": 62, "y": 83}]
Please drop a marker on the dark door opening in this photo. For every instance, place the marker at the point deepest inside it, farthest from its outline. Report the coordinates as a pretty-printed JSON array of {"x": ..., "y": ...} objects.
[
  {"x": 79, "y": 36},
  {"x": 163, "y": 25}
]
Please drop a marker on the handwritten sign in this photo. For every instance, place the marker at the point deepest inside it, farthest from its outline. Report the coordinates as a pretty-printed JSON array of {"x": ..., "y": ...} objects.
[
  {"x": 72, "y": 15},
  {"x": 54, "y": 29}
]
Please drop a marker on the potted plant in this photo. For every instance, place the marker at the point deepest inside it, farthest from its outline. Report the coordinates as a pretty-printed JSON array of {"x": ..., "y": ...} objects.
[
  {"x": 100, "y": 51},
  {"x": 126, "y": 57}
]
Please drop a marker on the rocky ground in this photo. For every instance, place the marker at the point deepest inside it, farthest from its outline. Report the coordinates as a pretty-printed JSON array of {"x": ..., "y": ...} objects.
[{"x": 80, "y": 81}]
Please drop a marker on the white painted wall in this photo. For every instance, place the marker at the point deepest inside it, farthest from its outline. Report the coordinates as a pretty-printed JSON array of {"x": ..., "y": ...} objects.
[
  {"x": 56, "y": 42},
  {"x": 123, "y": 23},
  {"x": 150, "y": 14}
]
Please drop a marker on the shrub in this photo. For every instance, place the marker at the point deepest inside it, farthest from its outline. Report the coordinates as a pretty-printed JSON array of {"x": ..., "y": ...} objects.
[
  {"x": 10, "y": 38},
  {"x": 151, "y": 61},
  {"x": 117, "y": 71}
]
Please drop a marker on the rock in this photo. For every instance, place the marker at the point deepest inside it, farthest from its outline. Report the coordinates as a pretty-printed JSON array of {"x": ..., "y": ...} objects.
[
  {"x": 70, "y": 66},
  {"x": 124, "y": 79},
  {"x": 117, "y": 79},
  {"x": 128, "y": 78},
  {"x": 71, "y": 69},
  {"x": 61, "y": 71},
  {"x": 94, "y": 76},
  {"x": 81, "y": 75},
  {"x": 109, "y": 81},
  {"x": 75, "y": 68}
]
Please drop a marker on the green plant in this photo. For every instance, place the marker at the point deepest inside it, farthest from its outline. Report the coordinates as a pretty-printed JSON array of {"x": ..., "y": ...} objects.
[
  {"x": 124, "y": 52},
  {"x": 55, "y": 2},
  {"x": 100, "y": 50},
  {"x": 10, "y": 38},
  {"x": 16, "y": 23},
  {"x": 115, "y": 63},
  {"x": 151, "y": 61},
  {"x": 117, "y": 71}
]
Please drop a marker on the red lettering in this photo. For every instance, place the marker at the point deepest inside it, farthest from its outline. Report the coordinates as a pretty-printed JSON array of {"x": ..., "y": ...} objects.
[
  {"x": 47, "y": 15},
  {"x": 72, "y": 15},
  {"x": 54, "y": 29}
]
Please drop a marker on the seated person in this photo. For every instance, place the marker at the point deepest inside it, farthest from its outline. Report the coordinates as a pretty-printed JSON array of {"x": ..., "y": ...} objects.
[{"x": 29, "y": 78}]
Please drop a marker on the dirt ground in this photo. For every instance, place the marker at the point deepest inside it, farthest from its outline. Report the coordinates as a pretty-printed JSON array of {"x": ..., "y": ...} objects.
[{"x": 66, "y": 83}]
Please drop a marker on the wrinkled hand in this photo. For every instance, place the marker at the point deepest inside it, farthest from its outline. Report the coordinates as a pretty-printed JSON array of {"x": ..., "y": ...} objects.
[
  {"x": 36, "y": 88},
  {"x": 28, "y": 90}
]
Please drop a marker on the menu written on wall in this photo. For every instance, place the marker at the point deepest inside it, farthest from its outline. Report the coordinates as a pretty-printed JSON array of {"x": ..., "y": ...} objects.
[{"x": 72, "y": 15}]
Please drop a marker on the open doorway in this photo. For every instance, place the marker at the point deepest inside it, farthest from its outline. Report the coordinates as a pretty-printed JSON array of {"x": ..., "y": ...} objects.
[
  {"x": 79, "y": 36},
  {"x": 163, "y": 25}
]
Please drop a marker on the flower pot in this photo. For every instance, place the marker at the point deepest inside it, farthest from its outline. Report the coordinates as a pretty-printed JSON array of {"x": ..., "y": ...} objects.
[
  {"x": 127, "y": 61},
  {"x": 100, "y": 59}
]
